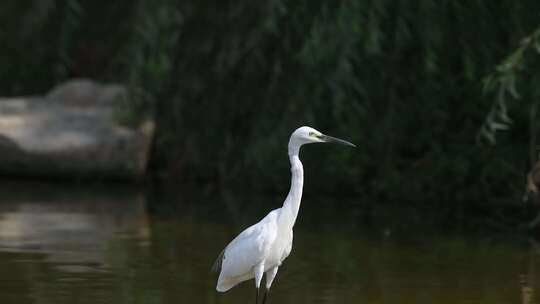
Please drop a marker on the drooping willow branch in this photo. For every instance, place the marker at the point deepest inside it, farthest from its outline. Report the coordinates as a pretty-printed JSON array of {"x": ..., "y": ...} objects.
[{"x": 502, "y": 83}]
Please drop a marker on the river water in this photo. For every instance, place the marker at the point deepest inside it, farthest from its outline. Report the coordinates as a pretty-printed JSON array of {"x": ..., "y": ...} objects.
[{"x": 114, "y": 244}]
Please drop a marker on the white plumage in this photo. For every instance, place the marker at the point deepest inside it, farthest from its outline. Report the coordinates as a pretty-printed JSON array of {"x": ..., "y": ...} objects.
[
  {"x": 262, "y": 248},
  {"x": 250, "y": 248}
]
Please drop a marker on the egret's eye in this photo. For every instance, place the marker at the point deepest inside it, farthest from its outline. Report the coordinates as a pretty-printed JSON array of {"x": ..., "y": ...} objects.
[{"x": 311, "y": 134}]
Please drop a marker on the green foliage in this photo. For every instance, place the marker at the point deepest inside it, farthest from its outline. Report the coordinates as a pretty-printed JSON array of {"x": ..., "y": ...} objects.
[{"x": 228, "y": 81}]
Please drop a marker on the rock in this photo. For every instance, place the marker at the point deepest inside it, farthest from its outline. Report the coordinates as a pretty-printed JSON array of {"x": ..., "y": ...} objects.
[
  {"x": 72, "y": 132},
  {"x": 86, "y": 93}
]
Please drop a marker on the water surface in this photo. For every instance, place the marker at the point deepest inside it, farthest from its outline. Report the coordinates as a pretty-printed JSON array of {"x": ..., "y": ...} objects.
[{"x": 113, "y": 244}]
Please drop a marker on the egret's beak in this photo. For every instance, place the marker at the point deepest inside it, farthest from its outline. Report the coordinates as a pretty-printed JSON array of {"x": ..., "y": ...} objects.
[{"x": 330, "y": 139}]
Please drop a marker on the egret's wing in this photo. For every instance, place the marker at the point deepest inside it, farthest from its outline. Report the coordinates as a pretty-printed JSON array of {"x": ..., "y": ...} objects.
[
  {"x": 216, "y": 267},
  {"x": 249, "y": 248}
]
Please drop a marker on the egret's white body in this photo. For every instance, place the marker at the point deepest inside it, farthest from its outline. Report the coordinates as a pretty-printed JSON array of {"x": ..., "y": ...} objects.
[{"x": 262, "y": 247}]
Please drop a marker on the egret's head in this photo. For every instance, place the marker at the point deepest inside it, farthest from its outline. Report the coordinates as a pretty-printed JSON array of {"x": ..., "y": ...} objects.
[{"x": 307, "y": 135}]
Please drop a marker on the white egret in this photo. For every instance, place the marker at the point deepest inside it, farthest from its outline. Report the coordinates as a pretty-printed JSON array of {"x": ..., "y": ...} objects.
[{"x": 262, "y": 247}]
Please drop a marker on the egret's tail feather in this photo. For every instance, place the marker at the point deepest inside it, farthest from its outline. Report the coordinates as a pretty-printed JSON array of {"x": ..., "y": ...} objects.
[
  {"x": 219, "y": 261},
  {"x": 225, "y": 284}
]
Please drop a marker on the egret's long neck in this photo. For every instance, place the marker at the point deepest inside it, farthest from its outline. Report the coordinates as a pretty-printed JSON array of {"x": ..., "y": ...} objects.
[{"x": 290, "y": 208}]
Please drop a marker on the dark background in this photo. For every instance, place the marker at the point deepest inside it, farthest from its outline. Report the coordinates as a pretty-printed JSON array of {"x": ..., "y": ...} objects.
[{"x": 422, "y": 87}]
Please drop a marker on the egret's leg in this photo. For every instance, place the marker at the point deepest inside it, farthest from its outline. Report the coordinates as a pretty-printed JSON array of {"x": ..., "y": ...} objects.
[
  {"x": 270, "y": 275},
  {"x": 265, "y": 295},
  {"x": 258, "y": 271}
]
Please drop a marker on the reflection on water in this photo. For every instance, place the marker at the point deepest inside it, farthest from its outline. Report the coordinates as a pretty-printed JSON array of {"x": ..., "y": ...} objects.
[{"x": 65, "y": 244}]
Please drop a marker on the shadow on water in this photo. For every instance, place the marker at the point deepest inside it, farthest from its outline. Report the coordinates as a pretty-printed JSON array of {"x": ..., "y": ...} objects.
[{"x": 97, "y": 244}]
